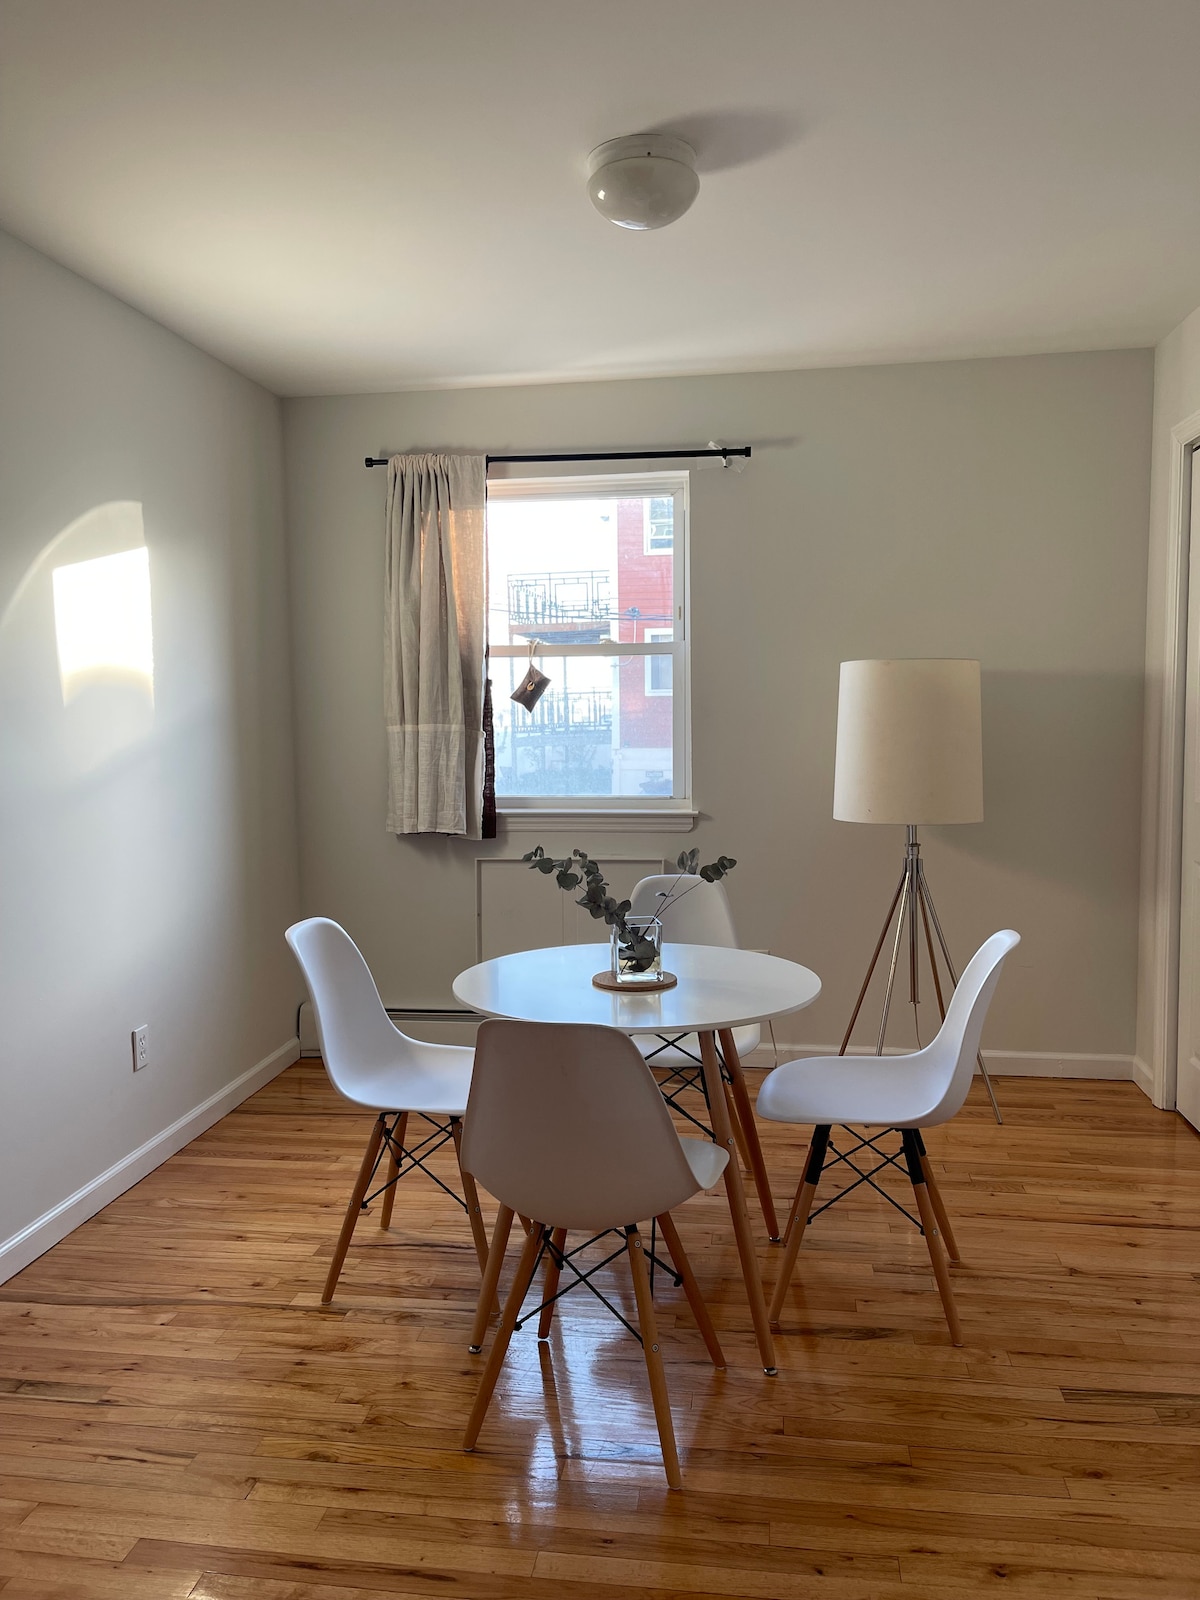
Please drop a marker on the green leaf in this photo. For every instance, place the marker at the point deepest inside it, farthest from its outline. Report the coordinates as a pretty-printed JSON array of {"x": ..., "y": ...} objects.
[
  {"x": 544, "y": 864},
  {"x": 567, "y": 880}
]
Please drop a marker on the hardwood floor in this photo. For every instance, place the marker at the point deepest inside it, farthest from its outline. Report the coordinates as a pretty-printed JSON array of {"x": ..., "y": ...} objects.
[{"x": 178, "y": 1417}]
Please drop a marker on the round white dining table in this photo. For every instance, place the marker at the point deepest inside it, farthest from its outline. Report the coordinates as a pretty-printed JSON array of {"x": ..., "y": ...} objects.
[{"x": 719, "y": 989}]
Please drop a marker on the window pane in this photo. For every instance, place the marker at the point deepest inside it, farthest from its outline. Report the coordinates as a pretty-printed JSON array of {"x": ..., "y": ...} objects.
[
  {"x": 578, "y": 571},
  {"x": 658, "y": 674},
  {"x": 595, "y": 731},
  {"x": 660, "y": 525}
]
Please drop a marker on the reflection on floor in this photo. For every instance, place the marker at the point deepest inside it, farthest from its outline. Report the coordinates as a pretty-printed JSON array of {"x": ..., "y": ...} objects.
[{"x": 178, "y": 1417}]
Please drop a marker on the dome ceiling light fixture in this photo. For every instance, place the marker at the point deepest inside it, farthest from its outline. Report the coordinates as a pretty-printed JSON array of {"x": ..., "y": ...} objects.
[{"x": 642, "y": 181}]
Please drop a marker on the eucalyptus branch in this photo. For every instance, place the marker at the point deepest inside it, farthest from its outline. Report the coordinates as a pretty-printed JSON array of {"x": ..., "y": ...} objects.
[{"x": 578, "y": 868}]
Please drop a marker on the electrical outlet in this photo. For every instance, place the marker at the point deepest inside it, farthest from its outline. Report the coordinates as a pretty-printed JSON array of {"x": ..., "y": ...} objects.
[{"x": 140, "y": 1038}]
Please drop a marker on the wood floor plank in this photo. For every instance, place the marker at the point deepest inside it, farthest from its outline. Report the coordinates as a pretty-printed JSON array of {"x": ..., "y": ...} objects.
[{"x": 180, "y": 1417}]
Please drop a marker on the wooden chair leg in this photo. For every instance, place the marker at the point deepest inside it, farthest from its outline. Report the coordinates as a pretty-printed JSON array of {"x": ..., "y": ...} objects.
[
  {"x": 508, "y": 1321},
  {"x": 471, "y": 1196},
  {"x": 395, "y": 1143},
  {"x": 361, "y": 1184},
  {"x": 795, "y": 1206},
  {"x": 933, "y": 1243},
  {"x": 692, "y": 1289},
  {"x": 491, "y": 1277},
  {"x": 558, "y": 1240},
  {"x": 648, "y": 1328},
  {"x": 801, "y": 1206},
  {"x": 738, "y": 1214},
  {"x": 745, "y": 1119},
  {"x": 939, "y": 1206}
]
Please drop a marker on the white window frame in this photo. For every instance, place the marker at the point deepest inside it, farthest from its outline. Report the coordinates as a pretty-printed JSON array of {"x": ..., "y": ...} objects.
[{"x": 640, "y": 813}]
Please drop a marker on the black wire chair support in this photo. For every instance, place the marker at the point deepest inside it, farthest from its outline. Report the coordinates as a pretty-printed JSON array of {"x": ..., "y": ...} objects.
[
  {"x": 563, "y": 1258},
  {"x": 691, "y": 1078},
  {"x": 415, "y": 1156},
  {"x": 886, "y": 1159}
]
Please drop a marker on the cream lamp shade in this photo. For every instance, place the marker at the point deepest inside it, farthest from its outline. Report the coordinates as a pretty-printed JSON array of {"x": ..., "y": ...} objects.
[{"x": 909, "y": 742}]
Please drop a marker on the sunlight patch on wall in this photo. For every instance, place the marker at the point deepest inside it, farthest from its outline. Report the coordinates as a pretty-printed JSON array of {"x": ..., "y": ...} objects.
[{"x": 102, "y": 623}]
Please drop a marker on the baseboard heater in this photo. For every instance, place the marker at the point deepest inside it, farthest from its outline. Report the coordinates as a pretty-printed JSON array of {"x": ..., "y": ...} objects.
[
  {"x": 406, "y": 1018},
  {"x": 430, "y": 1013}
]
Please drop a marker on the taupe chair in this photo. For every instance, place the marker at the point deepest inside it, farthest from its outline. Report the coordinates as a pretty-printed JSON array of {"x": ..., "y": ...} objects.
[{"x": 565, "y": 1126}]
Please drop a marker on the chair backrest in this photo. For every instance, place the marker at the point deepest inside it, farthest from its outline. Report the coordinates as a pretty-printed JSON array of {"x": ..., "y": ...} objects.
[
  {"x": 354, "y": 1029},
  {"x": 950, "y": 1058},
  {"x": 698, "y": 912},
  {"x": 567, "y": 1125}
]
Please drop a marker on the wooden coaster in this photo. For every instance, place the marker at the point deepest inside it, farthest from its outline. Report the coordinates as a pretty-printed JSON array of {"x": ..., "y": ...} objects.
[{"x": 605, "y": 980}]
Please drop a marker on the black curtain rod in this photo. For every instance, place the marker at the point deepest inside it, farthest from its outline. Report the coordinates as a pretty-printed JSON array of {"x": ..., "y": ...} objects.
[{"x": 604, "y": 455}]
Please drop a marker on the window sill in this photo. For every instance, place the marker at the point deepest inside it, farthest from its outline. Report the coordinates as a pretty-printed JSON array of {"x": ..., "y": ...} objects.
[{"x": 600, "y": 819}]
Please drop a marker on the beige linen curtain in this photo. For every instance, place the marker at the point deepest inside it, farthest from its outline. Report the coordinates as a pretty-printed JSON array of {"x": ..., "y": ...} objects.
[{"x": 434, "y": 643}]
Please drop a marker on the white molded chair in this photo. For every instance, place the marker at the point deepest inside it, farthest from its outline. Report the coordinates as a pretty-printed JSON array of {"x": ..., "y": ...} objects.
[
  {"x": 907, "y": 1093},
  {"x": 566, "y": 1127},
  {"x": 370, "y": 1062}
]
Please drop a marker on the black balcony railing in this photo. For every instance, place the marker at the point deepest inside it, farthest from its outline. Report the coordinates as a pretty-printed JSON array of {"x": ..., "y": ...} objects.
[
  {"x": 550, "y": 599},
  {"x": 584, "y": 714},
  {"x": 564, "y": 746}
]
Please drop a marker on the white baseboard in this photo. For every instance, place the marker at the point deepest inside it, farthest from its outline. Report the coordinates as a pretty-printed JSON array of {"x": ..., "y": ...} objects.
[
  {"x": 1000, "y": 1063},
  {"x": 35, "y": 1239},
  {"x": 1035, "y": 1064}
]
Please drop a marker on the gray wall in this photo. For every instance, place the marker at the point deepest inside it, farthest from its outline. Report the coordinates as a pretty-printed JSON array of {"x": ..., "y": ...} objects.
[
  {"x": 147, "y": 850},
  {"x": 980, "y": 508}
]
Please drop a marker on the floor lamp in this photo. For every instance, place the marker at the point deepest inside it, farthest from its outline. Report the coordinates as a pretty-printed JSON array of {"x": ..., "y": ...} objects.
[{"x": 910, "y": 750}]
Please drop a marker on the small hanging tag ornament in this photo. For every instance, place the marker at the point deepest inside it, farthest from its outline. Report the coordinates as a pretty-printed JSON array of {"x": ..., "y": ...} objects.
[{"x": 533, "y": 685}]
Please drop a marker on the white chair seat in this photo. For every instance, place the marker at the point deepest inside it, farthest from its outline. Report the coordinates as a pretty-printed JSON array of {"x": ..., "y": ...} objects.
[
  {"x": 706, "y": 1159},
  {"x": 429, "y": 1079},
  {"x": 883, "y": 1091},
  {"x": 660, "y": 1055}
]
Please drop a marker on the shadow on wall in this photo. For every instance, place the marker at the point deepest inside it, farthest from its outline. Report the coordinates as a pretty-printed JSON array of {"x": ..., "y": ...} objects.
[{"x": 1062, "y": 779}]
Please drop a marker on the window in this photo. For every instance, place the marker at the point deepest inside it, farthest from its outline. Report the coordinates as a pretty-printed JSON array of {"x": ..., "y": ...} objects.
[
  {"x": 658, "y": 668},
  {"x": 659, "y": 528},
  {"x": 571, "y": 572}
]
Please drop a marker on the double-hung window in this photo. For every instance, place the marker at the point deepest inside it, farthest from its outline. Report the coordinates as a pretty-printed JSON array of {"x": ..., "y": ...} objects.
[{"x": 592, "y": 574}]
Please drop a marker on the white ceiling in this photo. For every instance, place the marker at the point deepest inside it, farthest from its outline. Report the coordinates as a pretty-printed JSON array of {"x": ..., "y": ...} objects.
[{"x": 345, "y": 195}]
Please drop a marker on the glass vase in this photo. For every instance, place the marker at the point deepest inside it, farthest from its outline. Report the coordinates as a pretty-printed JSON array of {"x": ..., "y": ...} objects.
[{"x": 637, "y": 953}]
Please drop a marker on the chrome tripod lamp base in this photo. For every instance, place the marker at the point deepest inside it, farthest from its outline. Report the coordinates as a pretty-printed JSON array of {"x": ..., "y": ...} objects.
[{"x": 917, "y": 926}]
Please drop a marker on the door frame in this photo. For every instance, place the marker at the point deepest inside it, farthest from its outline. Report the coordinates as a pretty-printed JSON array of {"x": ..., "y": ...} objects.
[{"x": 1167, "y": 720}]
